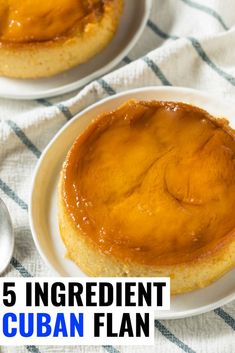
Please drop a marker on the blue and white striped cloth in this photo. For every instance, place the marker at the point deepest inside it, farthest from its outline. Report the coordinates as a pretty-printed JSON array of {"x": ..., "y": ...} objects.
[{"x": 185, "y": 43}]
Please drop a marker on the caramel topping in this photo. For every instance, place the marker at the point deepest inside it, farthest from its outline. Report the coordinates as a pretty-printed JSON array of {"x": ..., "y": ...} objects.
[
  {"x": 153, "y": 182},
  {"x": 41, "y": 20}
]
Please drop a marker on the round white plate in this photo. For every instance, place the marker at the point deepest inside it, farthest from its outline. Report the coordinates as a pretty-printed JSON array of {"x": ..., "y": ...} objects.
[
  {"x": 43, "y": 203},
  {"x": 131, "y": 26}
]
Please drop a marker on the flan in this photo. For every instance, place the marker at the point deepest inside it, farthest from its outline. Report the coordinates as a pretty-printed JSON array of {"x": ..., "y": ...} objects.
[
  {"x": 42, "y": 38},
  {"x": 149, "y": 190}
]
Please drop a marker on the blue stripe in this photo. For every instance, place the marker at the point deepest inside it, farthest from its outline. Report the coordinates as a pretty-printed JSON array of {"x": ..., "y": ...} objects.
[
  {"x": 159, "y": 32},
  {"x": 106, "y": 87},
  {"x": 44, "y": 102},
  {"x": 23, "y": 138},
  {"x": 208, "y": 10},
  {"x": 9, "y": 192},
  {"x": 228, "y": 319},
  {"x": 171, "y": 337},
  {"x": 111, "y": 349},
  {"x": 202, "y": 54},
  {"x": 127, "y": 60},
  {"x": 32, "y": 349},
  {"x": 20, "y": 268},
  {"x": 157, "y": 71},
  {"x": 63, "y": 109},
  {"x": 197, "y": 46}
]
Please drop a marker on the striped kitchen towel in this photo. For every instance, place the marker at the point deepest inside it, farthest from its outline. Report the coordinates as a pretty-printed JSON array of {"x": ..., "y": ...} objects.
[{"x": 185, "y": 43}]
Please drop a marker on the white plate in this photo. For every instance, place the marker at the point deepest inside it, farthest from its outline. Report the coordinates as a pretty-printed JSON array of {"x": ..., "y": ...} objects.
[
  {"x": 43, "y": 205},
  {"x": 131, "y": 26}
]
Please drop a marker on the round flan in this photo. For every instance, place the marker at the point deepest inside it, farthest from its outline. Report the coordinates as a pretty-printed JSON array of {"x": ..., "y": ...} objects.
[
  {"x": 41, "y": 38},
  {"x": 149, "y": 190}
]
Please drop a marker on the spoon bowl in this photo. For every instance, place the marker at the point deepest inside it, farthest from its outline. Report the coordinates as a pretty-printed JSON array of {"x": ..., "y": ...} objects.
[{"x": 7, "y": 239}]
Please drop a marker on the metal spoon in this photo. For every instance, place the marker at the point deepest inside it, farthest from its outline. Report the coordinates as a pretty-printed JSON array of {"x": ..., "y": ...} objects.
[{"x": 7, "y": 238}]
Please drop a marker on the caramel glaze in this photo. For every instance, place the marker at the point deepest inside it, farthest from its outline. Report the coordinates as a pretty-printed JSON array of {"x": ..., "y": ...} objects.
[
  {"x": 23, "y": 21},
  {"x": 153, "y": 182}
]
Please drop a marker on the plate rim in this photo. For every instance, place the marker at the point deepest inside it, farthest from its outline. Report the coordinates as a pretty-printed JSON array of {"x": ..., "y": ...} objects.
[
  {"x": 177, "y": 315},
  {"x": 105, "y": 69}
]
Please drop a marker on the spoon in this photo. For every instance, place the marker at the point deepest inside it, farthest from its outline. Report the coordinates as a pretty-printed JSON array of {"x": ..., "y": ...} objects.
[{"x": 7, "y": 239}]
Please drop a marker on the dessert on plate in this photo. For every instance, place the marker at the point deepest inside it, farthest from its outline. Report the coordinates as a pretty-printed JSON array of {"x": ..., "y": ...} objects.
[
  {"x": 149, "y": 190},
  {"x": 42, "y": 38}
]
